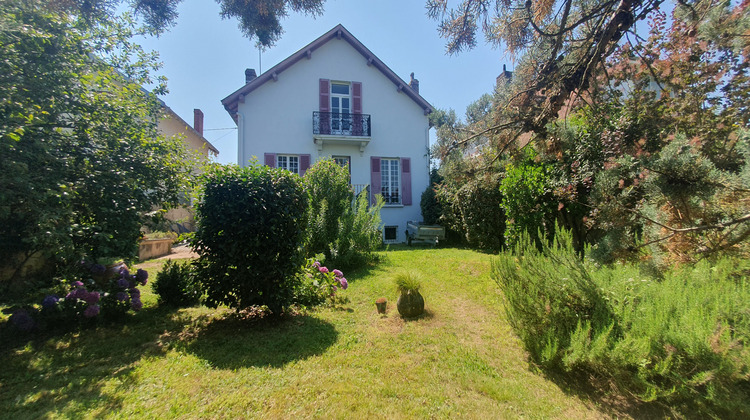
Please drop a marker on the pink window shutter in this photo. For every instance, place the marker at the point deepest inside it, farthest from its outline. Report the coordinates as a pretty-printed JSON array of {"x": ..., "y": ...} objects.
[
  {"x": 356, "y": 97},
  {"x": 325, "y": 95},
  {"x": 406, "y": 181},
  {"x": 304, "y": 164},
  {"x": 324, "y": 106},
  {"x": 375, "y": 180},
  {"x": 269, "y": 159}
]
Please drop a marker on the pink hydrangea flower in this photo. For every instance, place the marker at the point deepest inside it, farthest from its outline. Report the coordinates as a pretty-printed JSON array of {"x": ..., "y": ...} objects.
[
  {"x": 92, "y": 297},
  {"x": 323, "y": 270},
  {"x": 338, "y": 273},
  {"x": 91, "y": 311},
  {"x": 344, "y": 284},
  {"x": 316, "y": 264}
]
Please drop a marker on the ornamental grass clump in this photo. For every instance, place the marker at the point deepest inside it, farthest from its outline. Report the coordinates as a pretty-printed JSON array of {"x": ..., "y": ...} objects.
[{"x": 411, "y": 303}]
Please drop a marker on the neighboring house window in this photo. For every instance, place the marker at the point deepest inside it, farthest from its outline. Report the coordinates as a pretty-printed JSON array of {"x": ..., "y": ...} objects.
[
  {"x": 390, "y": 180},
  {"x": 288, "y": 162}
]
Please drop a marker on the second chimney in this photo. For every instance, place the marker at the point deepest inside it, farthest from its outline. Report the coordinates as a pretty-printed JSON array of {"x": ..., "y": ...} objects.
[
  {"x": 198, "y": 121},
  {"x": 414, "y": 83},
  {"x": 250, "y": 75}
]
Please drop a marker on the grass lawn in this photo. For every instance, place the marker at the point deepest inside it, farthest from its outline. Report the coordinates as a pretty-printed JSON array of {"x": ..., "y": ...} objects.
[{"x": 461, "y": 360}]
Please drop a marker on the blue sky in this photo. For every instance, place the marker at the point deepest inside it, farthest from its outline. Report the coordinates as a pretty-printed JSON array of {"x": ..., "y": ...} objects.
[{"x": 204, "y": 57}]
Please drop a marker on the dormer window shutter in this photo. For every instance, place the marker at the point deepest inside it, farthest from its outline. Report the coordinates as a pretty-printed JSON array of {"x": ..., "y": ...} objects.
[
  {"x": 375, "y": 180},
  {"x": 325, "y": 95},
  {"x": 356, "y": 97},
  {"x": 406, "y": 181}
]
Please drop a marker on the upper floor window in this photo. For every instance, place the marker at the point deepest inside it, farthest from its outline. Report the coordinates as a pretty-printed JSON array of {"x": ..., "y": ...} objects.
[{"x": 288, "y": 162}]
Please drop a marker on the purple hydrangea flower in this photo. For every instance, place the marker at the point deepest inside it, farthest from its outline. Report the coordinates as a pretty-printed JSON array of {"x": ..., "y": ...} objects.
[
  {"x": 22, "y": 320},
  {"x": 136, "y": 304},
  {"x": 50, "y": 301},
  {"x": 316, "y": 264},
  {"x": 323, "y": 270},
  {"x": 70, "y": 296},
  {"x": 77, "y": 284},
  {"x": 135, "y": 293},
  {"x": 338, "y": 273},
  {"x": 141, "y": 276},
  {"x": 123, "y": 283},
  {"x": 91, "y": 311},
  {"x": 98, "y": 269},
  {"x": 92, "y": 297},
  {"x": 122, "y": 296},
  {"x": 344, "y": 284},
  {"x": 124, "y": 273}
]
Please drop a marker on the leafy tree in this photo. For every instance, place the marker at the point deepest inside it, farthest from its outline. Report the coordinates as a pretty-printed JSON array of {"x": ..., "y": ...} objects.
[
  {"x": 260, "y": 19},
  {"x": 329, "y": 196},
  {"x": 81, "y": 159}
]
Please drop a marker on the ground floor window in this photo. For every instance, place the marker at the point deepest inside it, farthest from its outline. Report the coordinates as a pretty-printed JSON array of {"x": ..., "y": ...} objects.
[
  {"x": 288, "y": 162},
  {"x": 390, "y": 233},
  {"x": 390, "y": 176}
]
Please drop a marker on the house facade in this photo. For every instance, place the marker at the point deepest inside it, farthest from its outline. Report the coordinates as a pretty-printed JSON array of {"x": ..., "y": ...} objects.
[{"x": 335, "y": 99}]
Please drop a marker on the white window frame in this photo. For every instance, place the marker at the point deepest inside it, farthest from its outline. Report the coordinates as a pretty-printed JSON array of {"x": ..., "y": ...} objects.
[
  {"x": 395, "y": 238},
  {"x": 341, "y": 120},
  {"x": 288, "y": 162},
  {"x": 390, "y": 181}
]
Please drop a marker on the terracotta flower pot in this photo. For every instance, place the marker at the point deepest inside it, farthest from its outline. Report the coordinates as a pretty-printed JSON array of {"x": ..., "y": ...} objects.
[
  {"x": 381, "y": 304},
  {"x": 410, "y": 304}
]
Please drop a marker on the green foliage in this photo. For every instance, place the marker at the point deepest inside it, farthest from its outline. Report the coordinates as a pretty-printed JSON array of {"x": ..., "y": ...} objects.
[
  {"x": 318, "y": 284},
  {"x": 431, "y": 207},
  {"x": 249, "y": 236},
  {"x": 358, "y": 234},
  {"x": 345, "y": 229},
  {"x": 177, "y": 285},
  {"x": 673, "y": 339},
  {"x": 407, "y": 281},
  {"x": 329, "y": 196},
  {"x": 473, "y": 210},
  {"x": 82, "y": 160},
  {"x": 527, "y": 199}
]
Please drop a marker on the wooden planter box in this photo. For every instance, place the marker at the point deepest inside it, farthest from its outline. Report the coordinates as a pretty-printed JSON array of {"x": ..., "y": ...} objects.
[{"x": 153, "y": 248}]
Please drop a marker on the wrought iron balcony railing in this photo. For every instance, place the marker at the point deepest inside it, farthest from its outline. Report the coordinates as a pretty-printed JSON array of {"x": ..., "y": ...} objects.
[{"x": 341, "y": 124}]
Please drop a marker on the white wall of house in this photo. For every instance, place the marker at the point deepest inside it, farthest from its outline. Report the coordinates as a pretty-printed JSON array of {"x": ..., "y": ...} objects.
[{"x": 277, "y": 118}]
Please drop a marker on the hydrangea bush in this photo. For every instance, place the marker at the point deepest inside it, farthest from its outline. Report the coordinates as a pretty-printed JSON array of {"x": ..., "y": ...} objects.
[
  {"x": 318, "y": 284},
  {"x": 88, "y": 299}
]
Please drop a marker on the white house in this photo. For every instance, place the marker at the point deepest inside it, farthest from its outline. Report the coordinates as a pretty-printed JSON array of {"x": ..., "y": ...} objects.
[{"x": 334, "y": 98}]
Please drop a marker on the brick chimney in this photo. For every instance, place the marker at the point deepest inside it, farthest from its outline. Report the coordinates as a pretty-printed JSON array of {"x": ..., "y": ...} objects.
[
  {"x": 198, "y": 121},
  {"x": 414, "y": 83},
  {"x": 250, "y": 75}
]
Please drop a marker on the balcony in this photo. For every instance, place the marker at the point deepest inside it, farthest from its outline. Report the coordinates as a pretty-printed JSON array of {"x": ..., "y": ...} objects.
[{"x": 341, "y": 128}]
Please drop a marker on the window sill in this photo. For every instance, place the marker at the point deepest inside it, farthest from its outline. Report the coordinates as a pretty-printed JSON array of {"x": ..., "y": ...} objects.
[{"x": 393, "y": 206}]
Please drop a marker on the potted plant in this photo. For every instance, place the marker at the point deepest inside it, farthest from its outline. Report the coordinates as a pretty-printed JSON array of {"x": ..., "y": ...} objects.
[
  {"x": 411, "y": 303},
  {"x": 381, "y": 304}
]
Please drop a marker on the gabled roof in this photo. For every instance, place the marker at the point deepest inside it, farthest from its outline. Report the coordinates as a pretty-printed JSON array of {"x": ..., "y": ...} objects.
[
  {"x": 338, "y": 32},
  {"x": 207, "y": 143}
]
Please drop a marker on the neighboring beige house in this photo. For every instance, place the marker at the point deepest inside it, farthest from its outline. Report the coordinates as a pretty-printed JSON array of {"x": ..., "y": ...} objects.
[{"x": 172, "y": 124}]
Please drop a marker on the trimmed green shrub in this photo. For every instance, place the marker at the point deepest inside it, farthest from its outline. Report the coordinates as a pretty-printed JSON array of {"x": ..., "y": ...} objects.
[
  {"x": 329, "y": 196},
  {"x": 473, "y": 210},
  {"x": 176, "y": 285},
  {"x": 249, "y": 236},
  {"x": 681, "y": 337}
]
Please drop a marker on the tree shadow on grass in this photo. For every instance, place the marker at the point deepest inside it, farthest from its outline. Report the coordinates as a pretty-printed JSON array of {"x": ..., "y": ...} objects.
[
  {"x": 233, "y": 342},
  {"x": 64, "y": 373},
  {"x": 604, "y": 395}
]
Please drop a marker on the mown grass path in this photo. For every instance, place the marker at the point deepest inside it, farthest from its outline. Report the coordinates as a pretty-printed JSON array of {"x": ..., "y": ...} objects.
[{"x": 461, "y": 360}]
